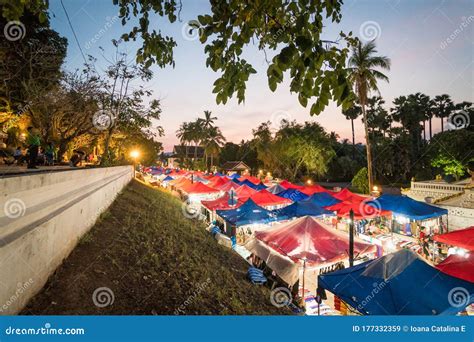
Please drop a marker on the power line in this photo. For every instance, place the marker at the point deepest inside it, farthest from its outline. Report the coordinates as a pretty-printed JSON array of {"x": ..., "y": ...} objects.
[{"x": 73, "y": 32}]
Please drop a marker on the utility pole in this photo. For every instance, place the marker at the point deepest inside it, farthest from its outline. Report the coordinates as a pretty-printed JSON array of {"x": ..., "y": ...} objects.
[{"x": 351, "y": 238}]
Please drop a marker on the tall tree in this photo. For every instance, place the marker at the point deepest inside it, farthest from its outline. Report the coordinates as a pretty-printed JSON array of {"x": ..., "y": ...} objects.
[
  {"x": 443, "y": 106},
  {"x": 351, "y": 114},
  {"x": 364, "y": 75}
]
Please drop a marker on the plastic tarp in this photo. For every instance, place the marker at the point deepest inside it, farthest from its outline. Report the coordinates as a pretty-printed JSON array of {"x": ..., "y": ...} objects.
[
  {"x": 275, "y": 189},
  {"x": 168, "y": 179},
  {"x": 406, "y": 206},
  {"x": 463, "y": 238},
  {"x": 399, "y": 284},
  {"x": 293, "y": 195},
  {"x": 303, "y": 208},
  {"x": 361, "y": 210},
  {"x": 247, "y": 213},
  {"x": 346, "y": 195},
  {"x": 198, "y": 188},
  {"x": 265, "y": 198},
  {"x": 221, "y": 203},
  {"x": 323, "y": 199},
  {"x": 459, "y": 266},
  {"x": 288, "y": 185},
  {"x": 302, "y": 238}
]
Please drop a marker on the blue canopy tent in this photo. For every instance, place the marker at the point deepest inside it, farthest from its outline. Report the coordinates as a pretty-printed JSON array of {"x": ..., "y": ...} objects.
[
  {"x": 293, "y": 194},
  {"x": 247, "y": 213},
  {"x": 323, "y": 199},
  {"x": 234, "y": 176},
  {"x": 219, "y": 174},
  {"x": 302, "y": 208},
  {"x": 167, "y": 179},
  {"x": 406, "y": 206},
  {"x": 236, "y": 181},
  {"x": 399, "y": 284}
]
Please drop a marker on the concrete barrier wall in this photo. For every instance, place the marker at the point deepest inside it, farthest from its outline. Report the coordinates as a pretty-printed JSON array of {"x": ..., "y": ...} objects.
[{"x": 42, "y": 217}]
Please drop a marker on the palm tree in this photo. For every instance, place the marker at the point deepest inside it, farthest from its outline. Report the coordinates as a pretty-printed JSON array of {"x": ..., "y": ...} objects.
[
  {"x": 443, "y": 106},
  {"x": 425, "y": 107},
  {"x": 214, "y": 141},
  {"x": 183, "y": 134},
  {"x": 364, "y": 76},
  {"x": 352, "y": 114}
]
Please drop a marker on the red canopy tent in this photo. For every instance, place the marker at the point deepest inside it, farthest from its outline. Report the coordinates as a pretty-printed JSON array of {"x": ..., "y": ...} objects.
[
  {"x": 264, "y": 198},
  {"x": 289, "y": 185},
  {"x": 198, "y": 188},
  {"x": 458, "y": 266},
  {"x": 252, "y": 179},
  {"x": 244, "y": 191},
  {"x": 216, "y": 181},
  {"x": 227, "y": 186},
  {"x": 361, "y": 210},
  {"x": 180, "y": 183},
  {"x": 312, "y": 189},
  {"x": 463, "y": 238},
  {"x": 222, "y": 203},
  {"x": 346, "y": 195},
  {"x": 307, "y": 238}
]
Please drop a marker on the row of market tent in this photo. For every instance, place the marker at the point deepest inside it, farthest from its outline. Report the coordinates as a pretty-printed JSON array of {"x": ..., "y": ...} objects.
[{"x": 289, "y": 230}]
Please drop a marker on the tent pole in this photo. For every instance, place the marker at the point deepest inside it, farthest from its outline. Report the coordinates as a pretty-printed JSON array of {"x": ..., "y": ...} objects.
[
  {"x": 351, "y": 238},
  {"x": 304, "y": 268}
]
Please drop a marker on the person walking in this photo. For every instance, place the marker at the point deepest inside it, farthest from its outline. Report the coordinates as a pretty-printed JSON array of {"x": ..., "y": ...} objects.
[
  {"x": 49, "y": 154},
  {"x": 33, "y": 140}
]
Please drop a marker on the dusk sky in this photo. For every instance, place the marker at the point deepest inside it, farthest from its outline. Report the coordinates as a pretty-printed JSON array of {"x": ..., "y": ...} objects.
[{"x": 430, "y": 43}]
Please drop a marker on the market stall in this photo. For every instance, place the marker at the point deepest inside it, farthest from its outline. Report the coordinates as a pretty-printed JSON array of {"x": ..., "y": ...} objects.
[
  {"x": 298, "y": 250},
  {"x": 397, "y": 284},
  {"x": 293, "y": 194},
  {"x": 269, "y": 201}
]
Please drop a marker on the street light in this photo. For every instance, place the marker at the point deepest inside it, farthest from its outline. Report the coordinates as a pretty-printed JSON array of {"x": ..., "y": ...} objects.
[
  {"x": 135, "y": 154},
  {"x": 309, "y": 182}
]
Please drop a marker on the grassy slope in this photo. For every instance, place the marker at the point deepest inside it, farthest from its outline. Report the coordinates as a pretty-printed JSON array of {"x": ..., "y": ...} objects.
[{"x": 153, "y": 259}]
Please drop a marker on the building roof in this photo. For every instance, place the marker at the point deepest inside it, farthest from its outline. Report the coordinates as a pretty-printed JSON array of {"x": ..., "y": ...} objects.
[
  {"x": 235, "y": 166},
  {"x": 180, "y": 151}
]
